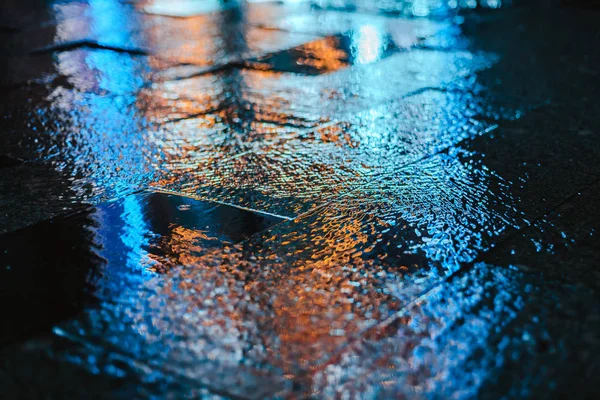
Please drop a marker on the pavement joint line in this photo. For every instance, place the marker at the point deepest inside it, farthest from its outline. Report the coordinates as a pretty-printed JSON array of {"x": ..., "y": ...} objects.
[
  {"x": 226, "y": 9},
  {"x": 203, "y": 198},
  {"x": 191, "y": 116},
  {"x": 232, "y": 65},
  {"x": 243, "y": 153},
  {"x": 86, "y": 43},
  {"x": 280, "y": 29}
]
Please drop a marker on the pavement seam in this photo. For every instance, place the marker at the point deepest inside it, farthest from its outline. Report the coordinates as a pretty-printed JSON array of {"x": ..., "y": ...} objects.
[
  {"x": 202, "y": 198},
  {"x": 85, "y": 43}
]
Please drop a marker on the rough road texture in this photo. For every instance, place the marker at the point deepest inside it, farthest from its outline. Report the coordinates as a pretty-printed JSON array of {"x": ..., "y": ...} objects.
[{"x": 317, "y": 199}]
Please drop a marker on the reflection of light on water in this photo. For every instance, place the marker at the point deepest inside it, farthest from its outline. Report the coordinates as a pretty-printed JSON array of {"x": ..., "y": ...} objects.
[
  {"x": 121, "y": 238},
  {"x": 70, "y": 25},
  {"x": 416, "y": 8},
  {"x": 368, "y": 44},
  {"x": 107, "y": 18},
  {"x": 421, "y": 8},
  {"x": 186, "y": 8},
  {"x": 324, "y": 55},
  {"x": 107, "y": 121},
  {"x": 110, "y": 129},
  {"x": 117, "y": 75},
  {"x": 133, "y": 236},
  {"x": 494, "y": 3},
  {"x": 374, "y": 136}
]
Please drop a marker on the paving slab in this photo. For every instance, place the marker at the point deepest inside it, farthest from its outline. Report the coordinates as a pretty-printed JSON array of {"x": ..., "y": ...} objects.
[
  {"x": 350, "y": 38},
  {"x": 331, "y": 22}
]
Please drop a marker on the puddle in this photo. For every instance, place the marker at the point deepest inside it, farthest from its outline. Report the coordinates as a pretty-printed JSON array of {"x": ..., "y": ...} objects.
[{"x": 56, "y": 268}]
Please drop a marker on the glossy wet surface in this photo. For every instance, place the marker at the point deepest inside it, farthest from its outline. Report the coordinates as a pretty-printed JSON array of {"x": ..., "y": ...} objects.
[{"x": 291, "y": 200}]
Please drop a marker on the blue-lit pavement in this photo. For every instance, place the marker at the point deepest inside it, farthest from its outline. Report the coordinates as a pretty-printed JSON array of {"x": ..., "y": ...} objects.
[{"x": 354, "y": 200}]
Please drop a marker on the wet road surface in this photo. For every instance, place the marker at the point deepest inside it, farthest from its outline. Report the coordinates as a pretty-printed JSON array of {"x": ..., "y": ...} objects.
[{"x": 304, "y": 199}]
